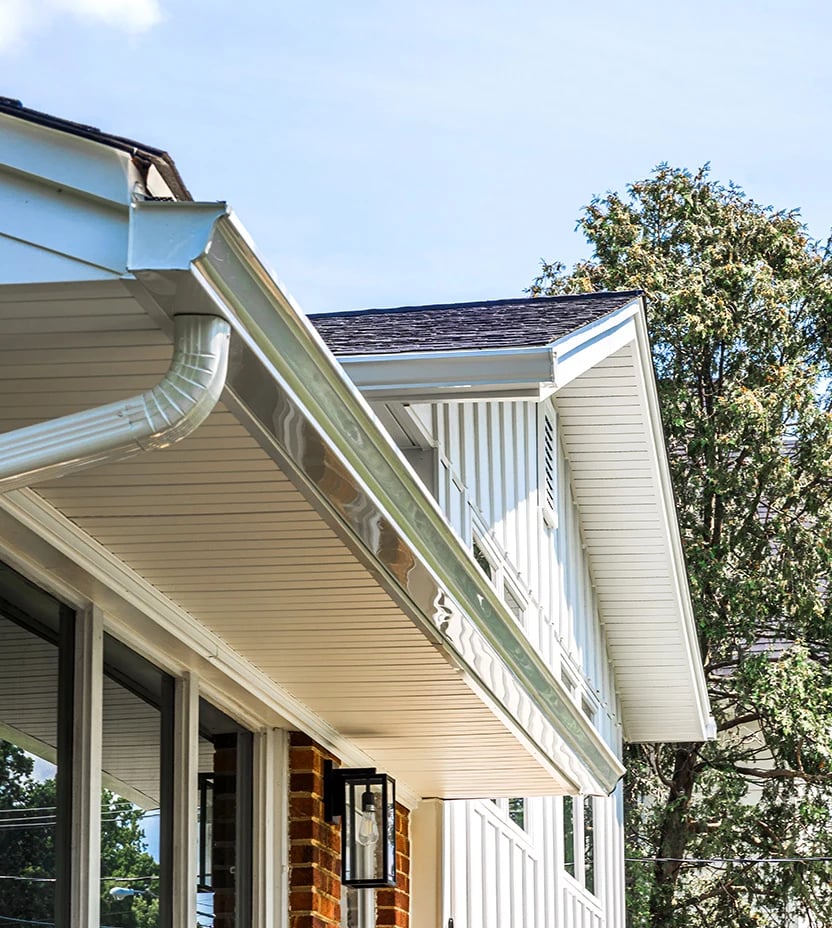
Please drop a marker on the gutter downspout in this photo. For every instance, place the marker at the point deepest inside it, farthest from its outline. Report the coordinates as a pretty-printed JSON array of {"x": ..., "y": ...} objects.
[{"x": 154, "y": 419}]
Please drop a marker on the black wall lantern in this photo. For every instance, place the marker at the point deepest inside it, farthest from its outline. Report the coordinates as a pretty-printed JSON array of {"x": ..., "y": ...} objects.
[{"x": 365, "y": 803}]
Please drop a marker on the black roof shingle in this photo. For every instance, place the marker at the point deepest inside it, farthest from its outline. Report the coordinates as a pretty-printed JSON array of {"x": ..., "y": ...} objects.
[{"x": 519, "y": 323}]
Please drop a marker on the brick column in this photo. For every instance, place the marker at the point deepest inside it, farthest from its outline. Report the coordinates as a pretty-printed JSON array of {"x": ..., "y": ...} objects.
[
  {"x": 393, "y": 905},
  {"x": 314, "y": 844}
]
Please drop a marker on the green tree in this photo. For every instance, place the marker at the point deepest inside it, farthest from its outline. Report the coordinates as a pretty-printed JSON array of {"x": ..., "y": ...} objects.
[
  {"x": 27, "y": 849},
  {"x": 739, "y": 303}
]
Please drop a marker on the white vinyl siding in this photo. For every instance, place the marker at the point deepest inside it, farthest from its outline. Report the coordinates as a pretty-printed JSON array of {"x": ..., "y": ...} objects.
[
  {"x": 499, "y": 876},
  {"x": 501, "y": 475},
  {"x": 496, "y": 485}
]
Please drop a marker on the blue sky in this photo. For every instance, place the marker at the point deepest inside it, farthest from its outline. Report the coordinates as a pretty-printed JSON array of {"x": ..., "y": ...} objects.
[{"x": 384, "y": 153}]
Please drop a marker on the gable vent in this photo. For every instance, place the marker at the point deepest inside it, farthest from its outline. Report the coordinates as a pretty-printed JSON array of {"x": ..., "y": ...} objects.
[{"x": 548, "y": 467}]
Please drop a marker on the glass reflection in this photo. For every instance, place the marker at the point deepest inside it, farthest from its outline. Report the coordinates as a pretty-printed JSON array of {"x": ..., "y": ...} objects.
[
  {"x": 224, "y": 854},
  {"x": 28, "y": 774},
  {"x": 136, "y": 776}
]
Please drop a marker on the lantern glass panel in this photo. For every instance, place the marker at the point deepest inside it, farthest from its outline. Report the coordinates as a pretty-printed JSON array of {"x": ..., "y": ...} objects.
[{"x": 369, "y": 832}]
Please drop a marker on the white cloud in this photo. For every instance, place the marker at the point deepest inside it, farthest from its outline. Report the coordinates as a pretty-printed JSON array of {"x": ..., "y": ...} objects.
[
  {"x": 19, "y": 19},
  {"x": 132, "y": 15},
  {"x": 13, "y": 21}
]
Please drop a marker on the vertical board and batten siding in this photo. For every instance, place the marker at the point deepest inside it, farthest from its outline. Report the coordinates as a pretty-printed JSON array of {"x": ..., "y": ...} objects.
[
  {"x": 499, "y": 876},
  {"x": 488, "y": 486}
]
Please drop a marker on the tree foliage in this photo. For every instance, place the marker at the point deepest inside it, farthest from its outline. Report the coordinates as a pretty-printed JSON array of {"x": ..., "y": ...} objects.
[
  {"x": 739, "y": 306},
  {"x": 28, "y": 807}
]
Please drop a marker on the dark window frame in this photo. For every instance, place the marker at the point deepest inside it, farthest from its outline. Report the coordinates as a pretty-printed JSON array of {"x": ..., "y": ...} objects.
[{"x": 57, "y": 625}]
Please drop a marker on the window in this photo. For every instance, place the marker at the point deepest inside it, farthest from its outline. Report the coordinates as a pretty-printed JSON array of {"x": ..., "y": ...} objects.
[
  {"x": 136, "y": 762},
  {"x": 137, "y": 790},
  {"x": 36, "y": 679},
  {"x": 225, "y": 810},
  {"x": 480, "y": 557},
  {"x": 569, "y": 835},
  {"x": 547, "y": 466},
  {"x": 589, "y": 844},
  {"x": 515, "y": 809},
  {"x": 514, "y": 603},
  {"x": 578, "y": 834},
  {"x": 588, "y": 709}
]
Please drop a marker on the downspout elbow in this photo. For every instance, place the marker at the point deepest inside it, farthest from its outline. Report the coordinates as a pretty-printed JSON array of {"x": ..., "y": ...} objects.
[{"x": 155, "y": 419}]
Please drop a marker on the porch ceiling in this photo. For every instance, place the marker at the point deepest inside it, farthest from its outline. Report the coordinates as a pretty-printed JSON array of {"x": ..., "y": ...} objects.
[{"x": 217, "y": 526}]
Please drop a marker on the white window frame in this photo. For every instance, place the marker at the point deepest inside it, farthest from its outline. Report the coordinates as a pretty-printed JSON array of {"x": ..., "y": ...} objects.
[
  {"x": 579, "y": 843},
  {"x": 502, "y": 807}
]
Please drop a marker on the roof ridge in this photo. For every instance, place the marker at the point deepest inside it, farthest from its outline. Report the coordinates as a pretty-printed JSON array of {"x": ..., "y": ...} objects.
[{"x": 508, "y": 301}]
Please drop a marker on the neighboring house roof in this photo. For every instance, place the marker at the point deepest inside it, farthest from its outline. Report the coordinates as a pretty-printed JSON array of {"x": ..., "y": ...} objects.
[{"x": 483, "y": 324}]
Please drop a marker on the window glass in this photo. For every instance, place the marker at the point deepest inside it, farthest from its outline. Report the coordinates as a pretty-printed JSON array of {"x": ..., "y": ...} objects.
[
  {"x": 136, "y": 776},
  {"x": 589, "y": 845},
  {"x": 517, "y": 811},
  {"x": 224, "y": 853},
  {"x": 482, "y": 561},
  {"x": 35, "y": 709},
  {"x": 515, "y": 607},
  {"x": 569, "y": 835}
]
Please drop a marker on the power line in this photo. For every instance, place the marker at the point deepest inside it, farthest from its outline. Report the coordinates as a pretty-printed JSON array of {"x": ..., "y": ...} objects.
[
  {"x": 52, "y": 879},
  {"x": 705, "y": 861}
]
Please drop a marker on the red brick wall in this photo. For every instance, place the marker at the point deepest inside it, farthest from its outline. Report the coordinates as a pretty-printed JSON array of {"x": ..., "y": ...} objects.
[
  {"x": 314, "y": 844},
  {"x": 315, "y": 849},
  {"x": 393, "y": 905}
]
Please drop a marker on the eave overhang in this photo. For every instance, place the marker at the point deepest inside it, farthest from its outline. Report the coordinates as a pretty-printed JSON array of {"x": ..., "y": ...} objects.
[
  {"x": 74, "y": 224},
  {"x": 319, "y": 427}
]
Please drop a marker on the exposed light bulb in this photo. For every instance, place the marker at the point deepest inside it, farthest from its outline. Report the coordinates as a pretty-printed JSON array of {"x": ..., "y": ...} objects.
[{"x": 367, "y": 834}]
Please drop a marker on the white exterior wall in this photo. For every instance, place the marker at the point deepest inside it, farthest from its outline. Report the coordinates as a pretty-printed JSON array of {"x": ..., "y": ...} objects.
[
  {"x": 501, "y": 876},
  {"x": 488, "y": 487},
  {"x": 498, "y": 875}
]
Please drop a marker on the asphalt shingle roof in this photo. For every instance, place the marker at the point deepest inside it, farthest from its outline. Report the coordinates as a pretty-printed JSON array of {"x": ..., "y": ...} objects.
[{"x": 521, "y": 323}]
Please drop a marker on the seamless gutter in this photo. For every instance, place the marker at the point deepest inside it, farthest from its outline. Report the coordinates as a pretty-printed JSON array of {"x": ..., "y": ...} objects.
[{"x": 225, "y": 264}]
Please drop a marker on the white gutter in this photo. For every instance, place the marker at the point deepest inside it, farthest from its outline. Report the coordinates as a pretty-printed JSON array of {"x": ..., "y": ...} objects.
[{"x": 154, "y": 419}]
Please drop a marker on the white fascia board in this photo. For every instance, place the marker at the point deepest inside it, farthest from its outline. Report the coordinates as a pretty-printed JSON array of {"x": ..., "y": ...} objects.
[
  {"x": 506, "y": 373},
  {"x": 667, "y": 500},
  {"x": 585, "y": 347},
  {"x": 66, "y": 161}
]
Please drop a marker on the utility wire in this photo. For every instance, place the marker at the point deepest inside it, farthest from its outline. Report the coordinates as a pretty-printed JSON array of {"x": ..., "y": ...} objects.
[{"x": 727, "y": 860}]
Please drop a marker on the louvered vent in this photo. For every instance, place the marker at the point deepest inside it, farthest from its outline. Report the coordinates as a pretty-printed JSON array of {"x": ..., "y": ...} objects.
[{"x": 548, "y": 464}]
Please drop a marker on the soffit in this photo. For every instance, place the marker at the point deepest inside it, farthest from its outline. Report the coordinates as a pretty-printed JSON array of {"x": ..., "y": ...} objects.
[
  {"x": 627, "y": 523},
  {"x": 217, "y": 527}
]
